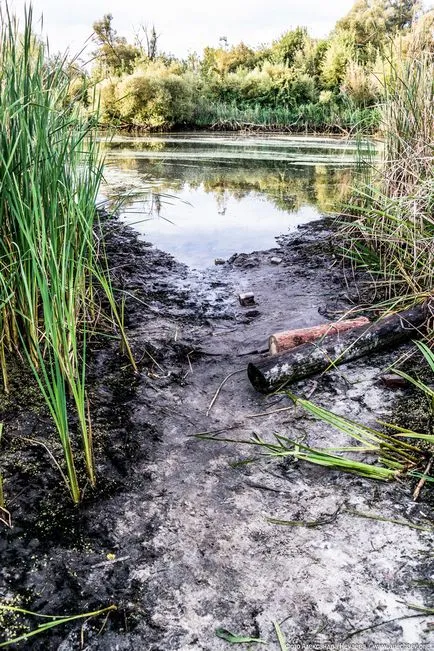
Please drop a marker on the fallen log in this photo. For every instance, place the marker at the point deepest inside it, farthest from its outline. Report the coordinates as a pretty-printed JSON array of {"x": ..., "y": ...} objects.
[
  {"x": 281, "y": 341},
  {"x": 272, "y": 373}
]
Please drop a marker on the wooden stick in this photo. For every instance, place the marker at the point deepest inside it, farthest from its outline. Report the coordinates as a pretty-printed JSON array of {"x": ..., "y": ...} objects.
[
  {"x": 289, "y": 339},
  {"x": 216, "y": 395},
  {"x": 422, "y": 482}
]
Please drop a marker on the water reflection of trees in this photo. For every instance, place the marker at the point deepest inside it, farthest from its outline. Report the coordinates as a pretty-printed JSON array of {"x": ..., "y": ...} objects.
[{"x": 286, "y": 186}]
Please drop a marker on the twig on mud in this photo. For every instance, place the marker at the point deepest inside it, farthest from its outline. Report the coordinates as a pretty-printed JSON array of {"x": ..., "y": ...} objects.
[
  {"x": 240, "y": 370},
  {"x": 268, "y": 413},
  {"x": 216, "y": 431},
  {"x": 253, "y": 352},
  {"x": 387, "y": 621},
  {"x": 5, "y": 517},
  {"x": 155, "y": 362},
  {"x": 50, "y": 454},
  {"x": 139, "y": 300},
  {"x": 422, "y": 481},
  {"x": 111, "y": 562},
  {"x": 15, "y": 497},
  {"x": 104, "y": 624},
  {"x": 216, "y": 333},
  {"x": 327, "y": 518},
  {"x": 313, "y": 389},
  {"x": 189, "y": 361}
]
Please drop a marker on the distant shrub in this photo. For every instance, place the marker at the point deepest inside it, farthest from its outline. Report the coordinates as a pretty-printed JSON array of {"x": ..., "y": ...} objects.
[
  {"x": 106, "y": 95},
  {"x": 360, "y": 85},
  {"x": 326, "y": 97},
  {"x": 339, "y": 53},
  {"x": 153, "y": 96}
]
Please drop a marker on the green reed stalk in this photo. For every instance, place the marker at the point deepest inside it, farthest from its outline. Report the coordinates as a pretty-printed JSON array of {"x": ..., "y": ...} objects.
[
  {"x": 393, "y": 233},
  {"x": 49, "y": 621},
  {"x": 50, "y": 173},
  {"x": 323, "y": 118}
]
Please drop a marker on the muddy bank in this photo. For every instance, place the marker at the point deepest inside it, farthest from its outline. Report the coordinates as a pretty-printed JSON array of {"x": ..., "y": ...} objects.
[{"x": 190, "y": 547}]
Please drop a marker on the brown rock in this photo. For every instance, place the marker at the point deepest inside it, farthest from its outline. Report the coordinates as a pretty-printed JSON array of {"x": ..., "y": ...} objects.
[{"x": 394, "y": 381}]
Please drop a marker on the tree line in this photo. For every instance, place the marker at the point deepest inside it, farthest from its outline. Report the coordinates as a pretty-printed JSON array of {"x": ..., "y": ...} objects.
[{"x": 297, "y": 82}]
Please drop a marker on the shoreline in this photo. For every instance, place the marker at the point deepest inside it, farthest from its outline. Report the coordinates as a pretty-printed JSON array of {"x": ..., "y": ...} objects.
[{"x": 247, "y": 128}]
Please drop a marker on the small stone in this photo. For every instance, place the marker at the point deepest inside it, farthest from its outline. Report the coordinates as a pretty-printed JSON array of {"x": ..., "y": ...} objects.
[
  {"x": 219, "y": 261},
  {"x": 373, "y": 399},
  {"x": 275, "y": 260},
  {"x": 394, "y": 381},
  {"x": 247, "y": 299}
]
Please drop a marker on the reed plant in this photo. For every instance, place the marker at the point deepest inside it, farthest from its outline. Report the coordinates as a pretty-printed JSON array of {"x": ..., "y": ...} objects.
[
  {"x": 318, "y": 117},
  {"x": 50, "y": 173},
  {"x": 47, "y": 621},
  {"x": 397, "y": 452},
  {"x": 392, "y": 235}
]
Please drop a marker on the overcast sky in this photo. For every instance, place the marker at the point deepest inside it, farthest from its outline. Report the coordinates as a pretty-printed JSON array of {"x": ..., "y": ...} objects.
[{"x": 186, "y": 25}]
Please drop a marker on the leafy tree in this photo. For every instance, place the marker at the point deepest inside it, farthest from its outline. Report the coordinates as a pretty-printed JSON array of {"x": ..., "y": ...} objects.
[
  {"x": 154, "y": 95},
  {"x": 286, "y": 47},
  {"x": 224, "y": 61},
  {"x": 104, "y": 32},
  {"x": 114, "y": 55},
  {"x": 339, "y": 53},
  {"x": 370, "y": 23},
  {"x": 401, "y": 14}
]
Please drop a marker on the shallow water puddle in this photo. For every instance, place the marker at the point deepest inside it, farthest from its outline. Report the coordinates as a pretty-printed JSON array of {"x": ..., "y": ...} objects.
[{"x": 205, "y": 196}]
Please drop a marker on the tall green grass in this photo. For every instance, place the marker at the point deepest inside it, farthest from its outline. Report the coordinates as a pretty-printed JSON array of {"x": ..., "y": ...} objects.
[
  {"x": 322, "y": 118},
  {"x": 50, "y": 173},
  {"x": 392, "y": 235}
]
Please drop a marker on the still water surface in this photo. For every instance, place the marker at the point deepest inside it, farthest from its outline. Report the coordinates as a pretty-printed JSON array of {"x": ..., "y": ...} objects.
[{"x": 201, "y": 196}]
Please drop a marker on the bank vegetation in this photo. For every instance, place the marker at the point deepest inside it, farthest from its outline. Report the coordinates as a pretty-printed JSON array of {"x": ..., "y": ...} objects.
[{"x": 296, "y": 83}]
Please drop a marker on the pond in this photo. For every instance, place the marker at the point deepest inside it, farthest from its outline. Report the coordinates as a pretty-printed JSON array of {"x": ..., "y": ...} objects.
[{"x": 206, "y": 196}]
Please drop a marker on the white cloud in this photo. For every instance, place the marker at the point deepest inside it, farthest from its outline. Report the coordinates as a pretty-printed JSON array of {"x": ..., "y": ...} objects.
[{"x": 186, "y": 25}]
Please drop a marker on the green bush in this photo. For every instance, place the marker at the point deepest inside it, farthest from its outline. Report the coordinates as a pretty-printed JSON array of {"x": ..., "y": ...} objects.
[{"x": 154, "y": 96}]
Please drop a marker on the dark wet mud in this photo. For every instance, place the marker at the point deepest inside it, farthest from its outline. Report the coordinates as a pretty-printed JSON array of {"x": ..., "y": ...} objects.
[{"x": 174, "y": 535}]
